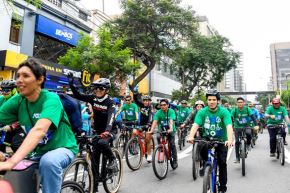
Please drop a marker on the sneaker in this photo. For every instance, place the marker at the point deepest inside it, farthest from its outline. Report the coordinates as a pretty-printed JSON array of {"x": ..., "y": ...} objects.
[
  {"x": 174, "y": 165},
  {"x": 248, "y": 147},
  {"x": 221, "y": 191},
  {"x": 149, "y": 158},
  {"x": 272, "y": 154},
  {"x": 236, "y": 161},
  {"x": 201, "y": 172},
  {"x": 285, "y": 143}
]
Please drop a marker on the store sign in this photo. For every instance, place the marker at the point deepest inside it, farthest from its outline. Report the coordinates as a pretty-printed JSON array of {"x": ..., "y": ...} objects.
[
  {"x": 56, "y": 30},
  {"x": 86, "y": 78}
]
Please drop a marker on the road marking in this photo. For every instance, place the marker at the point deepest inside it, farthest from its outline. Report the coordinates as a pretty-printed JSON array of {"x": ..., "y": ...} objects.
[
  {"x": 287, "y": 156},
  {"x": 184, "y": 153},
  {"x": 229, "y": 153}
]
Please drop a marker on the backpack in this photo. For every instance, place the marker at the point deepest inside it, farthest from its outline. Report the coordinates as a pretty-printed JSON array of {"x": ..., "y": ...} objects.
[{"x": 73, "y": 110}]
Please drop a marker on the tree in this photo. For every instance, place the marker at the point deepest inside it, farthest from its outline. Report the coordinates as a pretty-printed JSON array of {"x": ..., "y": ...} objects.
[
  {"x": 204, "y": 62},
  {"x": 264, "y": 99},
  {"x": 153, "y": 30},
  {"x": 107, "y": 58},
  {"x": 285, "y": 97}
]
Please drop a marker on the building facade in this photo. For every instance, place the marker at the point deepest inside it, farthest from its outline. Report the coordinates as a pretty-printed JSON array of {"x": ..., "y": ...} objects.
[
  {"x": 280, "y": 65},
  {"x": 45, "y": 34}
]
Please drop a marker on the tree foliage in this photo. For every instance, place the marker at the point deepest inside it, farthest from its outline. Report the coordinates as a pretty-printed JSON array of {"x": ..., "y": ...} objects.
[
  {"x": 264, "y": 99},
  {"x": 108, "y": 58},
  {"x": 204, "y": 62},
  {"x": 153, "y": 30},
  {"x": 285, "y": 97}
]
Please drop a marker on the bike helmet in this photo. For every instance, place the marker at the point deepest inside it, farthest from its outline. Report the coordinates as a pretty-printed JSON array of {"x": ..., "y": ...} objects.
[
  {"x": 213, "y": 92},
  {"x": 116, "y": 100},
  {"x": 275, "y": 100},
  {"x": 102, "y": 82},
  {"x": 199, "y": 102},
  {"x": 146, "y": 97},
  {"x": 8, "y": 84}
]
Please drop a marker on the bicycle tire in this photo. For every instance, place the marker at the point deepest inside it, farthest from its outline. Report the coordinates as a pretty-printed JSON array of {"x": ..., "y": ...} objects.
[
  {"x": 71, "y": 187},
  {"x": 116, "y": 178},
  {"x": 160, "y": 157},
  {"x": 184, "y": 137},
  {"x": 180, "y": 140},
  {"x": 121, "y": 144},
  {"x": 195, "y": 161},
  {"x": 282, "y": 151},
  {"x": 207, "y": 180},
  {"x": 278, "y": 148},
  {"x": 79, "y": 175},
  {"x": 133, "y": 150},
  {"x": 243, "y": 156}
]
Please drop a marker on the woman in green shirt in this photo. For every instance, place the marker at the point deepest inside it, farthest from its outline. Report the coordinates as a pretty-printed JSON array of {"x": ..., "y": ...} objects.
[{"x": 49, "y": 134}]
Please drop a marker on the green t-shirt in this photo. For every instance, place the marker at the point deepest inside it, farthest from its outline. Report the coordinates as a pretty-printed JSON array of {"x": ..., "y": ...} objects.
[
  {"x": 2, "y": 100},
  {"x": 163, "y": 118},
  {"x": 130, "y": 111},
  {"x": 48, "y": 106},
  {"x": 242, "y": 118},
  {"x": 182, "y": 113},
  {"x": 279, "y": 113},
  {"x": 214, "y": 123}
]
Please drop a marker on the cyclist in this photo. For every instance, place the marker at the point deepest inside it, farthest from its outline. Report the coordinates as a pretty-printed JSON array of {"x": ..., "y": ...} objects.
[
  {"x": 118, "y": 121},
  {"x": 103, "y": 112},
  {"x": 164, "y": 119},
  {"x": 227, "y": 106},
  {"x": 199, "y": 104},
  {"x": 276, "y": 115},
  {"x": 242, "y": 117},
  {"x": 216, "y": 123},
  {"x": 50, "y": 137},
  {"x": 17, "y": 134},
  {"x": 130, "y": 112},
  {"x": 145, "y": 118}
]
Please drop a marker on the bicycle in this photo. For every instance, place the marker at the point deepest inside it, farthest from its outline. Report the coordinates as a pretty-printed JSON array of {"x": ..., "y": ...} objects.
[
  {"x": 243, "y": 151},
  {"x": 124, "y": 136},
  {"x": 211, "y": 178},
  {"x": 181, "y": 133},
  {"x": 254, "y": 138},
  {"x": 196, "y": 161},
  {"x": 279, "y": 143},
  {"x": 89, "y": 169},
  {"x": 161, "y": 155},
  {"x": 137, "y": 148},
  {"x": 24, "y": 178}
]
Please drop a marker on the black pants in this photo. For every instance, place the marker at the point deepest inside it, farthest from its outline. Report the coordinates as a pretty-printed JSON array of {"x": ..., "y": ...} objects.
[
  {"x": 222, "y": 152},
  {"x": 273, "y": 133},
  {"x": 104, "y": 145},
  {"x": 171, "y": 142},
  {"x": 238, "y": 133}
]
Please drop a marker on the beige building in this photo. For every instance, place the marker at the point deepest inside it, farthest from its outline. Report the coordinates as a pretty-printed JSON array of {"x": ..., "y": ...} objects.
[{"x": 280, "y": 65}]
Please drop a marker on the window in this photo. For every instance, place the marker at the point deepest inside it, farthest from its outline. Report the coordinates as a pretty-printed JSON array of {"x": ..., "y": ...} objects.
[
  {"x": 56, "y": 2},
  {"x": 15, "y": 31},
  {"x": 83, "y": 16}
]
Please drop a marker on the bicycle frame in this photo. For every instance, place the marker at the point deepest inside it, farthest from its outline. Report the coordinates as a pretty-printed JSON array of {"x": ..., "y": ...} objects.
[
  {"x": 212, "y": 161},
  {"x": 163, "y": 143}
]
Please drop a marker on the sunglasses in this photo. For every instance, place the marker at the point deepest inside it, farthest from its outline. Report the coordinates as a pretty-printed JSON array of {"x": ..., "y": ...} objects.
[
  {"x": 100, "y": 88},
  {"x": 163, "y": 104},
  {"x": 5, "y": 90},
  {"x": 128, "y": 99}
]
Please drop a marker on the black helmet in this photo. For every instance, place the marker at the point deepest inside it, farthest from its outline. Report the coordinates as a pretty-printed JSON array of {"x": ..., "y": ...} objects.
[
  {"x": 213, "y": 92},
  {"x": 8, "y": 84},
  {"x": 104, "y": 82},
  {"x": 146, "y": 97}
]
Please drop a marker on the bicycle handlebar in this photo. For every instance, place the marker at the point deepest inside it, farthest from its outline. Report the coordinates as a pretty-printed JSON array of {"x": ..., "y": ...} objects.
[{"x": 210, "y": 141}]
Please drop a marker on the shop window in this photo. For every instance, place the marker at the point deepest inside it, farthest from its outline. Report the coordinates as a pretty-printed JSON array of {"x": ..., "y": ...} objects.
[{"x": 15, "y": 31}]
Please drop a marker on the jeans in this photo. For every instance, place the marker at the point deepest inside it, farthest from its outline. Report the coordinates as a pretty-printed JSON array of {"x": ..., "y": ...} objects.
[
  {"x": 171, "y": 142},
  {"x": 222, "y": 152},
  {"x": 273, "y": 132},
  {"x": 51, "y": 166}
]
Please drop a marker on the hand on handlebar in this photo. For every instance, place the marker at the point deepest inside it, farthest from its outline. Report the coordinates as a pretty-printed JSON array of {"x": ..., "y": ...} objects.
[
  {"x": 229, "y": 143},
  {"x": 190, "y": 140},
  {"x": 182, "y": 125},
  {"x": 169, "y": 130},
  {"x": 105, "y": 134},
  {"x": 272, "y": 116}
]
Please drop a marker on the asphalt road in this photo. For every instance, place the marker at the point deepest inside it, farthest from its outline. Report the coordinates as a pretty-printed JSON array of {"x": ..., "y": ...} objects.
[{"x": 263, "y": 174}]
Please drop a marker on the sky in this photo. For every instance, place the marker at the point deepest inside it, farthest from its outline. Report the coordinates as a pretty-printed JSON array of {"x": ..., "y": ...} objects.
[{"x": 251, "y": 26}]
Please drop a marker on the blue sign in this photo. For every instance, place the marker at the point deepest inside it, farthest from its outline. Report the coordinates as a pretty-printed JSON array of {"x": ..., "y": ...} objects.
[{"x": 56, "y": 30}]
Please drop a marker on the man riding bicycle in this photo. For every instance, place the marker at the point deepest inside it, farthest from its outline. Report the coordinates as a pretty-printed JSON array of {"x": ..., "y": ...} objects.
[
  {"x": 164, "y": 119},
  {"x": 146, "y": 115},
  {"x": 104, "y": 111},
  {"x": 130, "y": 112},
  {"x": 242, "y": 117},
  {"x": 216, "y": 122},
  {"x": 276, "y": 115}
]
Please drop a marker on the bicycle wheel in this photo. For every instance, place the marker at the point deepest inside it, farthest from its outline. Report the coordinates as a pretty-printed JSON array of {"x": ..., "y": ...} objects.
[
  {"x": 160, "y": 162},
  {"x": 71, "y": 187},
  {"x": 243, "y": 156},
  {"x": 278, "y": 148},
  {"x": 207, "y": 180},
  {"x": 184, "y": 136},
  {"x": 133, "y": 154},
  {"x": 80, "y": 171},
  {"x": 114, "y": 179},
  {"x": 282, "y": 153},
  {"x": 121, "y": 144},
  {"x": 180, "y": 139},
  {"x": 195, "y": 161}
]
